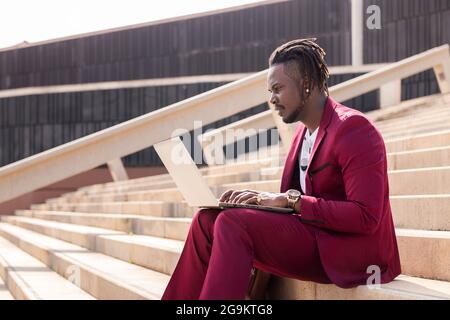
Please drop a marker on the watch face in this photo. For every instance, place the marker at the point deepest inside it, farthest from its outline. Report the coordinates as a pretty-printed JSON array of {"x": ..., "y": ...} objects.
[{"x": 293, "y": 193}]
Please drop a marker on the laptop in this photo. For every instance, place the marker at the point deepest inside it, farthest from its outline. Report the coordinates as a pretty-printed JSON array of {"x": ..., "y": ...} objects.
[{"x": 186, "y": 175}]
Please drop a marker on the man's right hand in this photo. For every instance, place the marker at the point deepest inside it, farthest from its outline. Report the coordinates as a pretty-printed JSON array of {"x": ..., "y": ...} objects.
[{"x": 237, "y": 196}]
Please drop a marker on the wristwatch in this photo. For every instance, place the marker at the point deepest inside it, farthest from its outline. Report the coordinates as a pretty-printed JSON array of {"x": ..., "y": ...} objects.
[{"x": 292, "y": 197}]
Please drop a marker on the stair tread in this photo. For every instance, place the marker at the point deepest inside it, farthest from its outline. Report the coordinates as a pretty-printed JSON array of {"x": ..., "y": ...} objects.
[
  {"x": 35, "y": 278},
  {"x": 107, "y": 215},
  {"x": 143, "y": 240},
  {"x": 149, "y": 282},
  {"x": 4, "y": 292}
]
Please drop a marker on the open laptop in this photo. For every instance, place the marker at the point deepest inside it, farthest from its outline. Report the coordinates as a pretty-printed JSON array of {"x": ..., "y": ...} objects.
[{"x": 190, "y": 182}]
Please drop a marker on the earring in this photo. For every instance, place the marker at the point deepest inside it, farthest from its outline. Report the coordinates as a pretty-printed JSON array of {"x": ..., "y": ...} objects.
[{"x": 307, "y": 90}]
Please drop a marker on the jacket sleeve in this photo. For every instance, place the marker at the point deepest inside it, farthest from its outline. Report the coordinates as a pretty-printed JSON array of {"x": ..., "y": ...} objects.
[{"x": 361, "y": 156}]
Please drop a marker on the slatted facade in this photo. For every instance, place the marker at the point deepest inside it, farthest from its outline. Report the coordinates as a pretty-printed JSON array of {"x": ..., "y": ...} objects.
[
  {"x": 228, "y": 42},
  {"x": 408, "y": 27}
]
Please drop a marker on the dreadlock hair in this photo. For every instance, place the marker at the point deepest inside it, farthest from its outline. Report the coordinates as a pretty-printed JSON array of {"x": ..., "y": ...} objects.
[{"x": 308, "y": 57}]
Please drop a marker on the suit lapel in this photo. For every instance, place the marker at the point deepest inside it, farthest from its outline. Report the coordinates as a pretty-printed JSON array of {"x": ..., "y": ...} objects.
[
  {"x": 290, "y": 167},
  {"x": 291, "y": 164}
]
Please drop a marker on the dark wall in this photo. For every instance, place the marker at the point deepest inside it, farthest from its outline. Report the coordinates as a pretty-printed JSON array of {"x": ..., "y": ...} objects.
[
  {"x": 408, "y": 27},
  {"x": 238, "y": 41},
  {"x": 232, "y": 42},
  {"x": 32, "y": 124}
]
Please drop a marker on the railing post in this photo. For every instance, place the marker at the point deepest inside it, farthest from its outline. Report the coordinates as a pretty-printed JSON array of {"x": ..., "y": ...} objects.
[
  {"x": 286, "y": 131},
  {"x": 357, "y": 25},
  {"x": 391, "y": 93},
  {"x": 117, "y": 170},
  {"x": 442, "y": 72}
]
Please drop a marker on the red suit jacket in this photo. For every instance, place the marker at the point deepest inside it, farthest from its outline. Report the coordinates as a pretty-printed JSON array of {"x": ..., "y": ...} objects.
[{"x": 347, "y": 197}]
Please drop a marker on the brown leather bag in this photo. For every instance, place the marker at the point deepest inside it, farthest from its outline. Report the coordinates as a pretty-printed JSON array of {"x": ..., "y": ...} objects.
[{"x": 258, "y": 285}]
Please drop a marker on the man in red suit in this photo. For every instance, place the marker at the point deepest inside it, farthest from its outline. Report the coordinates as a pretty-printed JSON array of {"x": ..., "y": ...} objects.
[{"x": 335, "y": 178}]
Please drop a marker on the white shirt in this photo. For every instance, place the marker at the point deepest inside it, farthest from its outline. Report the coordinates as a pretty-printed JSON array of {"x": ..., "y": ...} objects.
[{"x": 303, "y": 159}]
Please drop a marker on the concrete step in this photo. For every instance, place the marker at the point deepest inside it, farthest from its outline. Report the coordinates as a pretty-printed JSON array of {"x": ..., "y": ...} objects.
[
  {"x": 431, "y": 116},
  {"x": 100, "y": 275},
  {"x": 236, "y": 166},
  {"x": 29, "y": 279},
  {"x": 115, "y": 194},
  {"x": 401, "y": 182},
  {"x": 434, "y": 112},
  {"x": 4, "y": 292},
  {"x": 166, "y": 182},
  {"x": 422, "y": 158},
  {"x": 433, "y": 259},
  {"x": 426, "y": 212},
  {"x": 411, "y": 107},
  {"x": 155, "y": 253},
  {"x": 413, "y": 142},
  {"x": 418, "y": 141},
  {"x": 402, "y": 288},
  {"x": 143, "y": 208},
  {"x": 170, "y": 228},
  {"x": 431, "y": 157},
  {"x": 417, "y": 129},
  {"x": 162, "y": 254}
]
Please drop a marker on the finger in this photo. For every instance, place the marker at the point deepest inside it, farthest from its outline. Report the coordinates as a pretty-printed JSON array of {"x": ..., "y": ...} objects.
[
  {"x": 243, "y": 197},
  {"x": 240, "y": 194},
  {"x": 251, "y": 200},
  {"x": 234, "y": 195},
  {"x": 224, "y": 197}
]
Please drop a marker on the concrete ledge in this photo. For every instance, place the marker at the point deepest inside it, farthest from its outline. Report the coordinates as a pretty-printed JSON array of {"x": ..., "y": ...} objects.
[
  {"x": 170, "y": 228},
  {"x": 162, "y": 254},
  {"x": 155, "y": 253},
  {"x": 4, "y": 293},
  {"x": 101, "y": 276},
  {"x": 402, "y": 288},
  {"x": 29, "y": 279}
]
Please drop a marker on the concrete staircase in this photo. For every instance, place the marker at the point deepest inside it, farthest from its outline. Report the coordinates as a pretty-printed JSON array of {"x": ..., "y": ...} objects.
[{"x": 122, "y": 240}]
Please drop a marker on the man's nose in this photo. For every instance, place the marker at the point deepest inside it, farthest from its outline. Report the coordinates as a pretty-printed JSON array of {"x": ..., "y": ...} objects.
[{"x": 273, "y": 99}]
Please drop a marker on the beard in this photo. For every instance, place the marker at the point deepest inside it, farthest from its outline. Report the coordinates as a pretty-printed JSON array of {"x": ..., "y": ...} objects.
[
  {"x": 293, "y": 116},
  {"x": 297, "y": 113}
]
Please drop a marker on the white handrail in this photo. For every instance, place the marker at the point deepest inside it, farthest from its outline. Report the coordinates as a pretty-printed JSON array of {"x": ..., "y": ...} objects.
[{"x": 128, "y": 137}]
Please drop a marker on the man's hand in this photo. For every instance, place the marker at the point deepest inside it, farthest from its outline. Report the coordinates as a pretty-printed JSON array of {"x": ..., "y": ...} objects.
[
  {"x": 238, "y": 196},
  {"x": 246, "y": 196},
  {"x": 269, "y": 199}
]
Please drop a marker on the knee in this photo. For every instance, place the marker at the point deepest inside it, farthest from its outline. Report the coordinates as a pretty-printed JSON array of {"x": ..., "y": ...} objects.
[
  {"x": 204, "y": 218},
  {"x": 230, "y": 225},
  {"x": 228, "y": 219}
]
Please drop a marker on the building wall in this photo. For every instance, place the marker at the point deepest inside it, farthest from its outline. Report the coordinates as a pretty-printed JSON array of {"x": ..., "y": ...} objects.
[
  {"x": 408, "y": 27},
  {"x": 230, "y": 42}
]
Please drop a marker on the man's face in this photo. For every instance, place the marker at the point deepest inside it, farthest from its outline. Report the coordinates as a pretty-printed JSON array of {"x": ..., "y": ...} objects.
[{"x": 285, "y": 93}]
